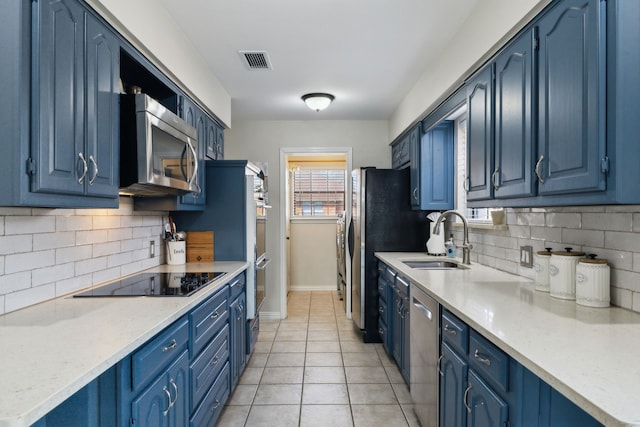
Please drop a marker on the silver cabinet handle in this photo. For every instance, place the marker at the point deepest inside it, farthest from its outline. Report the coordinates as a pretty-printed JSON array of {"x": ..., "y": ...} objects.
[
  {"x": 440, "y": 365},
  {"x": 85, "y": 168},
  {"x": 170, "y": 346},
  {"x": 166, "y": 411},
  {"x": 450, "y": 331},
  {"x": 415, "y": 194},
  {"x": 478, "y": 356},
  {"x": 95, "y": 169},
  {"x": 214, "y": 316},
  {"x": 466, "y": 184},
  {"x": 215, "y": 406},
  {"x": 466, "y": 396},
  {"x": 214, "y": 361},
  {"x": 493, "y": 179},
  {"x": 380, "y": 310},
  {"x": 194, "y": 176},
  {"x": 175, "y": 387},
  {"x": 538, "y": 165}
]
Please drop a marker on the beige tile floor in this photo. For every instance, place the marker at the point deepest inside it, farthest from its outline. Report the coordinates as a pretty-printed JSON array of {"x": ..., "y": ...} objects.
[{"x": 312, "y": 370}]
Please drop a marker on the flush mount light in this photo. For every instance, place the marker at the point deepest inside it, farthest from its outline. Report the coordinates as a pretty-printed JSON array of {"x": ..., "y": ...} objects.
[{"x": 317, "y": 101}]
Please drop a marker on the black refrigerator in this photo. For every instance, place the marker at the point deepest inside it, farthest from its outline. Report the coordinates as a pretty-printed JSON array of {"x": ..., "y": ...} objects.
[{"x": 381, "y": 221}]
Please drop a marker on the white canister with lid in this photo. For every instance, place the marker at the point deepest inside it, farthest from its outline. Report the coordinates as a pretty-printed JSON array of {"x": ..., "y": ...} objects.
[
  {"x": 562, "y": 273},
  {"x": 592, "y": 282},
  {"x": 541, "y": 266}
]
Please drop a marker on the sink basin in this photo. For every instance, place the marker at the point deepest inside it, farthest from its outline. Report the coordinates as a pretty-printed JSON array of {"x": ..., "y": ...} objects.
[{"x": 434, "y": 265}]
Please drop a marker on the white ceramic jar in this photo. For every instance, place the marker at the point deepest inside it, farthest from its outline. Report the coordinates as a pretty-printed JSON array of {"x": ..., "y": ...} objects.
[
  {"x": 592, "y": 282},
  {"x": 541, "y": 266},
  {"x": 562, "y": 273}
]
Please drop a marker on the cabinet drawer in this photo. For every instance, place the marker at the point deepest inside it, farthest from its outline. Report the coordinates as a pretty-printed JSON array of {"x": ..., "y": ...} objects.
[
  {"x": 489, "y": 360},
  {"x": 149, "y": 360},
  {"x": 455, "y": 332},
  {"x": 213, "y": 403},
  {"x": 208, "y": 365},
  {"x": 208, "y": 319},
  {"x": 236, "y": 286}
]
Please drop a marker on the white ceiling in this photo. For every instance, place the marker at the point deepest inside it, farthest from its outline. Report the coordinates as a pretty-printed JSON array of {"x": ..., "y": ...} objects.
[{"x": 367, "y": 53}]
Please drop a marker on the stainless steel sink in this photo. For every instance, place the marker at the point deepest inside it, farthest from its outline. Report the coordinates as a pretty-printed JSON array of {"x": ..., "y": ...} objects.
[{"x": 434, "y": 265}]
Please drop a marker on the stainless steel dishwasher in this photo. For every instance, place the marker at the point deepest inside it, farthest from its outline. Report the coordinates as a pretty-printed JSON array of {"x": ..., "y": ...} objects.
[{"x": 425, "y": 312}]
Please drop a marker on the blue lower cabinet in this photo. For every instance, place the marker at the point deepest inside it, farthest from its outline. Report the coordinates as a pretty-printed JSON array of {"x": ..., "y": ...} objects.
[
  {"x": 166, "y": 401},
  {"x": 209, "y": 411},
  {"x": 485, "y": 407},
  {"x": 238, "y": 357},
  {"x": 453, "y": 382}
]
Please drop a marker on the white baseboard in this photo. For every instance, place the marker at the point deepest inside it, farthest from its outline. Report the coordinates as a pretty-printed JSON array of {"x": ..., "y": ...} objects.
[
  {"x": 270, "y": 315},
  {"x": 313, "y": 288}
]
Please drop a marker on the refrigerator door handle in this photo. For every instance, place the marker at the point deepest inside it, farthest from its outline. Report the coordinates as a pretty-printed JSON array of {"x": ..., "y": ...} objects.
[{"x": 350, "y": 238}]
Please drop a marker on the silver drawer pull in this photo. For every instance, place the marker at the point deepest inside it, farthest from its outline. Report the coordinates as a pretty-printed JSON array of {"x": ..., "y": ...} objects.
[
  {"x": 214, "y": 361},
  {"x": 214, "y": 315},
  {"x": 380, "y": 309},
  {"x": 170, "y": 346},
  {"x": 215, "y": 406},
  {"x": 481, "y": 359},
  {"x": 450, "y": 331}
]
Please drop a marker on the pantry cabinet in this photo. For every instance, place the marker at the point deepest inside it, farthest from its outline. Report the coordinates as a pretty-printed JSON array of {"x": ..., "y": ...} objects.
[{"x": 64, "y": 128}]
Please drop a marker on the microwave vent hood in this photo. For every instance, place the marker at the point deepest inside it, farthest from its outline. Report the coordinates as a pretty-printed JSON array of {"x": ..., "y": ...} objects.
[{"x": 157, "y": 150}]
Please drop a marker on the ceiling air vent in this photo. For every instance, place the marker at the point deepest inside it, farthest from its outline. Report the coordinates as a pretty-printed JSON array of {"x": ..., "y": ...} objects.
[{"x": 256, "y": 60}]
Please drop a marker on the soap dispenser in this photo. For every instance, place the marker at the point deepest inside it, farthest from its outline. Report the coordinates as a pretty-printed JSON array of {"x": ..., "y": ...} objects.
[{"x": 450, "y": 247}]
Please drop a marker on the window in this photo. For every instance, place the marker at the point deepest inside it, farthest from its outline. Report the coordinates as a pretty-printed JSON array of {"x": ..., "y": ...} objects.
[{"x": 318, "y": 192}]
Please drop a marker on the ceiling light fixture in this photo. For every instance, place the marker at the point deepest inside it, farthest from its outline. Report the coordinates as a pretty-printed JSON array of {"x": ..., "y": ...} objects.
[{"x": 317, "y": 101}]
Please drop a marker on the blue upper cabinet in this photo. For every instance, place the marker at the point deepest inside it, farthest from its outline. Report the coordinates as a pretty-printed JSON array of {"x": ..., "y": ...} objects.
[
  {"x": 437, "y": 168},
  {"x": 480, "y": 135},
  {"x": 571, "y": 98},
  {"x": 196, "y": 118},
  {"x": 415, "y": 166},
  {"x": 62, "y": 125},
  {"x": 512, "y": 175}
]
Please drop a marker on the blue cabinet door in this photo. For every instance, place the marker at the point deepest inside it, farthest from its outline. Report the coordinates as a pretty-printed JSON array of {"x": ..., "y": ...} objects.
[
  {"x": 396, "y": 325},
  {"x": 414, "y": 166},
  {"x": 58, "y": 102},
  {"x": 512, "y": 175},
  {"x": 571, "y": 98},
  {"x": 406, "y": 342},
  {"x": 212, "y": 140},
  {"x": 487, "y": 409},
  {"x": 238, "y": 338},
  {"x": 196, "y": 118},
  {"x": 453, "y": 380},
  {"x": 480, "y": 135},
  {"x": 220, "y": 143},
  {"x": 102, "y": 109},
  {"x": 437, "y": 168},
  {"x": 165, "y": 403}
]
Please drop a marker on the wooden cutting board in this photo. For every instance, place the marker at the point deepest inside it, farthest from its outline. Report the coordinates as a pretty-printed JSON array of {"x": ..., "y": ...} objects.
[{"x": 199, "y": 246}]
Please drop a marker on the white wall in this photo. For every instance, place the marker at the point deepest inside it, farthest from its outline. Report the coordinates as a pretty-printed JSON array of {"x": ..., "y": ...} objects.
[
  {"x": 152, "y": 29},
  {"x": 313, "y": 255},
  {"x": 489, "y": 22},
  {"x": 262, "y": 140}
]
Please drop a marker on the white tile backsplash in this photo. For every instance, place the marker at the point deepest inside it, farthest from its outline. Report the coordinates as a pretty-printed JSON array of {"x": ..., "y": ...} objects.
[
  {"x": 45, "y": 253},
  {"x": 611, "y": 232}
]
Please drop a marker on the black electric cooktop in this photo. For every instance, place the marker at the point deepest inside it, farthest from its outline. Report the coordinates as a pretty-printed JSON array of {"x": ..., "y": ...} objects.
[{"x": 154, "y": 285}]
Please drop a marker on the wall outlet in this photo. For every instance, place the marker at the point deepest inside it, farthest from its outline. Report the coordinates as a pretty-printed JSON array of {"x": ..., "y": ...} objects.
[{"x": 526, "y": 256}]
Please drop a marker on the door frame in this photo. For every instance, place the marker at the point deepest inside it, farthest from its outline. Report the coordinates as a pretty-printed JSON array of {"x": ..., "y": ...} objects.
[{"x": 284, "y": 201}]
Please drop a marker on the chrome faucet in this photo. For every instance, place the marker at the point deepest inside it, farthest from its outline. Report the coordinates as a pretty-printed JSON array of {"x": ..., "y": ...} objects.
[{"x": 466, "y": 246}]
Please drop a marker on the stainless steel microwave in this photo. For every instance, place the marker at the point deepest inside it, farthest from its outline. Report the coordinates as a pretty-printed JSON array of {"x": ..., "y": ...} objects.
[{"x": 158, "y": 150}]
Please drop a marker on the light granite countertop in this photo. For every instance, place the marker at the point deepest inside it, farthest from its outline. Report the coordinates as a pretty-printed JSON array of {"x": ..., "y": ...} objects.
[
  {"x": 53, "y": 349},
  {"x": 590, "y": 355}
]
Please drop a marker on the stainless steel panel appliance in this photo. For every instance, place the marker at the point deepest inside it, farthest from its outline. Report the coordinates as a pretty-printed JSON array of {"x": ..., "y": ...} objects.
[
  {"x": 381, "y": 220},
  {"x": 341, "y": 255},
  {"x": 158, "y": 150},
  {"x": 154, "y": 285},
  {"x": 424, "y": 313}
]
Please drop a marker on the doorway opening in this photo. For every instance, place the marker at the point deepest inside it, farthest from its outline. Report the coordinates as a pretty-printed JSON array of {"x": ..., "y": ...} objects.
[{"x": 315, "y": 193}]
